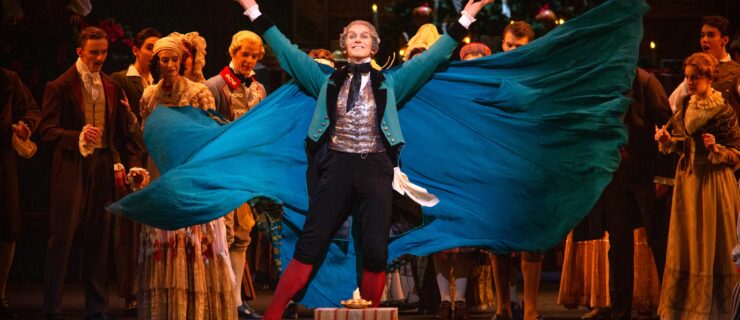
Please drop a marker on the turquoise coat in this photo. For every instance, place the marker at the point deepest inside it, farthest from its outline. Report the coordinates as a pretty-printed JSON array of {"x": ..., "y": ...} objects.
[{"x": 396, "y": 86}]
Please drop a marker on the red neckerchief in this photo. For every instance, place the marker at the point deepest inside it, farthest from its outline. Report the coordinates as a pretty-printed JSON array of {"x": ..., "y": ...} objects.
[{"x": 233, "y": 80}]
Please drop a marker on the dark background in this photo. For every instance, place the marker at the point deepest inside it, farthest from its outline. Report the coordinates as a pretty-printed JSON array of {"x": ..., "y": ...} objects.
[{"x": 41, "y": 47}]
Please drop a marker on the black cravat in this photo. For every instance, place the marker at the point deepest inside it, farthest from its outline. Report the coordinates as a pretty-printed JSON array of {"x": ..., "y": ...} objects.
[
  {"x": 354, "y": 86},
  {"x": 247, "y": 81}
]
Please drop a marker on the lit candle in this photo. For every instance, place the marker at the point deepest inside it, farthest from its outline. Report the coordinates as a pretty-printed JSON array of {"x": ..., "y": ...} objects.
[
  {"x": 653, "y": 54},
  {"x": 375, "y": 16}
]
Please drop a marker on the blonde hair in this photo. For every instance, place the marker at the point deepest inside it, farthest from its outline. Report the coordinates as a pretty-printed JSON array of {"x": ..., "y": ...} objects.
[
  {"x": 245, "y": 36},
  {"x": 707, "y": 64}
]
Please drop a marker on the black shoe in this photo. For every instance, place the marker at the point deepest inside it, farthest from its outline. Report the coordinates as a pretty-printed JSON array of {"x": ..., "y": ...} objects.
[
  {"x": 53, "y": 316},
  {"x": 517, "y": 311},
  {"x": 246, "y": 311},
  {"x": 461, "y": 310},
  {"x": 291, "y": 311},
  {"x": 6, "y": 312},
  {"x": 408, "y": 306},
  {"x": 444, "y": 312}
]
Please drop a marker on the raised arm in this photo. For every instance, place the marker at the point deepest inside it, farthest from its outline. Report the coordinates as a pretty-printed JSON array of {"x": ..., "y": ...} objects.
[
  {"x": 294, "y": 61},
  {"x": 414, "y": 73}
]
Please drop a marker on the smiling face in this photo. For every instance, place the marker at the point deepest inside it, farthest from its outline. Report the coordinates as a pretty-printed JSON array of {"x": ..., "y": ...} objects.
[
  {"x": 359, "y": 42},
  {"x": 247, "y": 57},
  {"x": 93, "y": 53},
  {"x": 713, "y": 42},
  {"x": 169, "y": 65}
]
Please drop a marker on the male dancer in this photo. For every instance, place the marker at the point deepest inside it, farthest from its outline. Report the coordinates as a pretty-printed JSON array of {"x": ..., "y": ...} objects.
[{"x": 354, "y": 139}]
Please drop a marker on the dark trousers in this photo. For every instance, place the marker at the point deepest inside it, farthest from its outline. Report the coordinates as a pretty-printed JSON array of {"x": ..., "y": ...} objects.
[
  {"x": 624, "y": 209},
  {"x": 348, "y": 183},
  {"x": 10, "y": 210},
  {"x": 81, "y": 209}
]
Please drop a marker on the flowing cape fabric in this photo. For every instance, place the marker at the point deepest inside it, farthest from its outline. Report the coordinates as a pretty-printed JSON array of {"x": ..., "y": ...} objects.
[{"x": 517, "y": 146}]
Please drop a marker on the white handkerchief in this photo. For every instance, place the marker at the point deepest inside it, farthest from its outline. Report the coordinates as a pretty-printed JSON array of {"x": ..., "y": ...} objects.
[{"x": 420, "y": 195}]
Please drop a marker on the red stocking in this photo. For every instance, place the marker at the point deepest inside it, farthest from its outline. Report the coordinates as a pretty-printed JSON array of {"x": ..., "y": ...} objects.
[
  {"x": 293, "y": 280},
  {"x": 372, "y": 286}
]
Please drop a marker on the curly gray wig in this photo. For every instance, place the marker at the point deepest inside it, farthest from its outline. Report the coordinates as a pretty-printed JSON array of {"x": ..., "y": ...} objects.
[{"x": 373, "y": 34}]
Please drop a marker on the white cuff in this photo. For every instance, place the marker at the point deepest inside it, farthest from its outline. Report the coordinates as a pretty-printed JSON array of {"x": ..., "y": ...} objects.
[
  {"x": 466, "y": 19},
  {"x": 253, "y": 12},
  {"x": 85, "y": 148},
  {"x": 136, "y": 171},
  {"x": 403, "y": 186},
  {"x": 663, "y": 180}
]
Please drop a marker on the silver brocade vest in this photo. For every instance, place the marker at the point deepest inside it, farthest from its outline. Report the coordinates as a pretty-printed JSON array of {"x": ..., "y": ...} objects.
[
  {"x": 243, "y": 98},
  {"x": 356, "y": 131}
]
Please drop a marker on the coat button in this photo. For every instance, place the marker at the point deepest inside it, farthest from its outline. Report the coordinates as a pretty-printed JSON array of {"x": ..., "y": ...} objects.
[
  {"x": 315, "y": 136},
  {"x": 326, "y": 117},
  {"x": 386, "y": 128},
  {"x": 323, "y": 124},
  {"x": 320, "y": 130},
  {"x": 393, "y": 140},
  {"x": 388, "y": 134}
]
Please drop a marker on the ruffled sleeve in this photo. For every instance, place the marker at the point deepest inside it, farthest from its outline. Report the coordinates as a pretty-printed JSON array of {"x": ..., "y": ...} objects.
[
  {"x": 726, "y": 155},
  {"x": 202, "y": 97}
]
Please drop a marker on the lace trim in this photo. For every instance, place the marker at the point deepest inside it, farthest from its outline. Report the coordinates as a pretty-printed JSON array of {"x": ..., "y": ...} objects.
[{"x": 712, "y": 101}]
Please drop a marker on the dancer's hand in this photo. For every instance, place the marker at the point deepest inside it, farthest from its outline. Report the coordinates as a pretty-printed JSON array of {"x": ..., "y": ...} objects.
[
  {"x": 662, "y": 135},
  {"x": 92, "y": 134},
  {"x": 22, "y": 131},
  {"x": 473, "y": 7},
  {"x": 246, "y": 4},
  {"x": 661, "y": 190},
  {"x": 125, "y": 103},
  {"x": 709, "y": 142}
]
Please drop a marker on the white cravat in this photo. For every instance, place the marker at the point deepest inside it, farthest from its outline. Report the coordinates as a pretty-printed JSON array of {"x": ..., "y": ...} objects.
[{"x": 90, "y": 80}]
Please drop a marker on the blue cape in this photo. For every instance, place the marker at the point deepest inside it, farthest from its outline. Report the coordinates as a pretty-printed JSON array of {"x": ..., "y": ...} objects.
[{"x": 518, "y": 146}]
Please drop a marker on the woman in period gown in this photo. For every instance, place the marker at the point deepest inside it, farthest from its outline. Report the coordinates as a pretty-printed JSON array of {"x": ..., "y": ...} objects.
[
  {"x": 186, "y": 273},
  {"x": 699, "y": 274}
]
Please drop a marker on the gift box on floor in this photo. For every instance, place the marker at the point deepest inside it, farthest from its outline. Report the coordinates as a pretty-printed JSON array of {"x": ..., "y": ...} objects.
[{"x": 355, "y": 314}]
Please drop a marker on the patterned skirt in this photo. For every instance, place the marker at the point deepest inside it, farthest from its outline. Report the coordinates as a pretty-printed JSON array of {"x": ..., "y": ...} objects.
[{"x": 186, "y": 274}]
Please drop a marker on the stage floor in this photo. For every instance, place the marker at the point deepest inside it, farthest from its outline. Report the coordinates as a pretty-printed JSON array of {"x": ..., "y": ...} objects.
[{"x": 27, "y": 299}]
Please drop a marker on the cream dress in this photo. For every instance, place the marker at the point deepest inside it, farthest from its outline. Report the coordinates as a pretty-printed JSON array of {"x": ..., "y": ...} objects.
[{"x": 185, "y": 273}]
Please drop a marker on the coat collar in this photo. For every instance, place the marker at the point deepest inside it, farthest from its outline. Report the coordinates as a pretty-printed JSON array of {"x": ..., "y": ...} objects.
[
  {"x": 73, "y": 79},
  {"x": 340, "y": 75}
]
